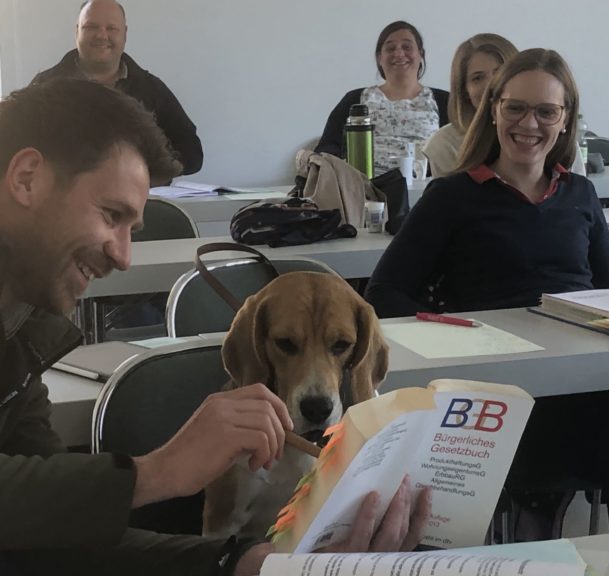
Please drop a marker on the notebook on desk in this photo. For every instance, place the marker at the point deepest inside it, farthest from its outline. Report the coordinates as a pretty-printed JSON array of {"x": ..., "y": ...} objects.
[{"x": 98, "y": 361}]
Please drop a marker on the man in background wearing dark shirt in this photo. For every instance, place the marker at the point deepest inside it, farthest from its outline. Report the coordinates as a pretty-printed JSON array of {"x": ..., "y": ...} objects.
[{"x": 101, "y": 34}]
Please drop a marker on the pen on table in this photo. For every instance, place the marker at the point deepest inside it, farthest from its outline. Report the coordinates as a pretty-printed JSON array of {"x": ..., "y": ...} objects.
[
  {"x": 301, "y": 444},
  {"x": 442, "y": 318}
]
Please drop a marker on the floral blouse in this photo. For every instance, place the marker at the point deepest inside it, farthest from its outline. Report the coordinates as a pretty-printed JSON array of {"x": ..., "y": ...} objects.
[{"x": 398, "y": 122}]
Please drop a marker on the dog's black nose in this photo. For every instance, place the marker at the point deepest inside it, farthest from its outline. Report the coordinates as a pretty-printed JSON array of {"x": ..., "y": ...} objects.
[{"x": 316, "y": 409}]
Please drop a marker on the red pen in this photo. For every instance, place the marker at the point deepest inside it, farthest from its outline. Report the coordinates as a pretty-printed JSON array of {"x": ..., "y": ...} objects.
[{"x": 431, "y": 317}]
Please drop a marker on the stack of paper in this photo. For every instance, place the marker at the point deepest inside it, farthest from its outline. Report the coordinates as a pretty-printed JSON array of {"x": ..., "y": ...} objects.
[
  {"x": 186, "y": 189},
  {"x": 588, "y": 308}
]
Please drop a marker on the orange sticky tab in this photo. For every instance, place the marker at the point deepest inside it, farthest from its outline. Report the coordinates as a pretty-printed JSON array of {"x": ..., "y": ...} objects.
[
  {"x": 285, "y": 520},
  {"x": 300, "y": 493},
  {"x": 332, "y": 429},
  {"x": 284, "y": 510},
  {"x": 336, "y": 438},
  {"x": 332, "y": 459}
]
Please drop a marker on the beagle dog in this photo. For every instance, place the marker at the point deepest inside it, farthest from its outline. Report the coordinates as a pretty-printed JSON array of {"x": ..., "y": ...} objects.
[{"x": 312, "y": 340}]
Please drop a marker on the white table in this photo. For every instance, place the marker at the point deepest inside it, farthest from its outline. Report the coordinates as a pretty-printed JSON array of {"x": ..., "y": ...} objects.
[
  {"x": 575, "y": 360},
  {"x": 212, "y": 214},
  {"x": 156, "y": 265},
  {"x": 595, "y": 552},
  {"x": 72, "y": 398}
]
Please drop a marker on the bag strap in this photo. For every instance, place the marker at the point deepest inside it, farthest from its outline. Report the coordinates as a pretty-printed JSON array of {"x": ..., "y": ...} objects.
[{"x": 208, "y": 277}]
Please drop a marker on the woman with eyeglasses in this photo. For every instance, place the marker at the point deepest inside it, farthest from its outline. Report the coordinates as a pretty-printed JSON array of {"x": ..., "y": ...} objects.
[
  {"x": 513, "y": 222},
  {"x": 402, "y": 109}
]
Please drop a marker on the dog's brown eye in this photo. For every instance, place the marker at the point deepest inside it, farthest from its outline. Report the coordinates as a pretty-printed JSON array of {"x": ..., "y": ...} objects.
[
  {"x": 286, "y": 345},
  {"x": 339, "y": 347}
]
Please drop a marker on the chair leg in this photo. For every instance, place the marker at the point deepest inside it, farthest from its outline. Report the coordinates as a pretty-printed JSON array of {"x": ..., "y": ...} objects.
[
  {"x": 595, "y": 508},
  {"x": 489, "y": 539},
  {"x": 507, "y": 535},
  {"x": 559, "y": 516}
]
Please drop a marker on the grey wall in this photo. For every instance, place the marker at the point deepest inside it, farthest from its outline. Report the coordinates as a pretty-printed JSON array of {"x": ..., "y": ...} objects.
[{"x": 260, "y": 77}]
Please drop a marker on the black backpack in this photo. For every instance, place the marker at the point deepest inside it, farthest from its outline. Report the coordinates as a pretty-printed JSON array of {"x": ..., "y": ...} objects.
[{"x": 287, "y": 223}]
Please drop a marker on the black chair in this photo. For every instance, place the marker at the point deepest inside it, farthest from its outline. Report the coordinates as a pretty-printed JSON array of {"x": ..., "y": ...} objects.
[
  {"x": 165, "y": 220},
  {"x": 141, "y": 316},
  {"x": 562, "y": 451},
  {"x": 600, "y": 145},
  {"x": 144, "y": 403},
  {"x": 193, "y": 307}
]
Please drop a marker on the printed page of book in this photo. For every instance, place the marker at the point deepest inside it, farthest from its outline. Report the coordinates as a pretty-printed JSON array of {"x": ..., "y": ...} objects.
[
  {"x": 435, "y": 340},
  {"x": 387, "y": 455},
  {"x": 556, "y": 558},
  {"x": 344, "y": 454}
]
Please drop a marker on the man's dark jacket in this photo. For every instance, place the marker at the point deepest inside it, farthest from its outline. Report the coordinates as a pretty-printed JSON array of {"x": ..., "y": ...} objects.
[
  {"x": 67, "y": 513},
  {"x": 156, "y": 97}
]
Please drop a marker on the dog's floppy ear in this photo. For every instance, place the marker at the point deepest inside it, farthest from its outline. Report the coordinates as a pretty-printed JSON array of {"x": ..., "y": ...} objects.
[
  {"x": 243, "y": 350},
  {"x": 370, "y": 359}
]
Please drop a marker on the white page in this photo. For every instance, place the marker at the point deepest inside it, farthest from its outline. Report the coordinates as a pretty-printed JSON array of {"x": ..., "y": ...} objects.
[
  {"x": 255, "y": 195},
  {"x": 159, "y": 341},
  {"x": 438, "y": 563},
  {"x": 437, "y": 340},
  {"x": 198, "y": 186},
  {"x": 596, "y": 299},
  {"x": 178, "y": 192},
  {"x": 378, "y": 458}
]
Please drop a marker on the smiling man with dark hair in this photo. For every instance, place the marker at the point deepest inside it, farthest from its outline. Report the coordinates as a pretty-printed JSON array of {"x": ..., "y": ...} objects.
[{"x": 76, "y": 161}]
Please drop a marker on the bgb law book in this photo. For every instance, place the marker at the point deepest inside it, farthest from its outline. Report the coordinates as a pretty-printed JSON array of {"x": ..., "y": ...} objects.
[
  {"x": 588, "y": 308},
  {"x": 456, "y": 436}
]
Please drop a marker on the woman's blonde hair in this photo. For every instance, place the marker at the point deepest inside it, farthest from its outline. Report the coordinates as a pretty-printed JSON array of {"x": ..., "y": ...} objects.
[
  {"x": 481, "y": 144},
  {"x": 460, "y": 108}
]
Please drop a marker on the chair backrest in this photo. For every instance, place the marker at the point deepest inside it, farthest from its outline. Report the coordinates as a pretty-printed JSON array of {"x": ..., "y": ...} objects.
[
  {"x": 144, "y": 403},
  {"x": 601, "y": 145},
  {"x": 141, "y": 316},
  {"x": 164, "y": 220},
  {"x": 194, "y": 307}
]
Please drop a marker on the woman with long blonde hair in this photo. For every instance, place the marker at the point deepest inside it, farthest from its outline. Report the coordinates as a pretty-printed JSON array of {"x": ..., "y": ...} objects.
[{"x": 473, "y": 66}]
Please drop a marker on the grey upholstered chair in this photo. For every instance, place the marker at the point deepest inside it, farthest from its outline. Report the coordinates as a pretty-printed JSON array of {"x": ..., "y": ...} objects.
[
  {"x": 165, "y": 220},
  {"x": 141, "y": 315},
  {"x": 600, "y": 145},
  {"x": 194, "y": 307},
  {"x": 144, "y": 403}
]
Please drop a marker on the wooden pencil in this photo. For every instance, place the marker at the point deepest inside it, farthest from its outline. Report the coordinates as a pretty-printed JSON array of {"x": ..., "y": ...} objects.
[{"x": 301, "y": 444}]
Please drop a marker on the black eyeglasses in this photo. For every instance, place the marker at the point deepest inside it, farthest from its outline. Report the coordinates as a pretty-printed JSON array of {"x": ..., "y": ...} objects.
[{"x": 514, "y": 110}]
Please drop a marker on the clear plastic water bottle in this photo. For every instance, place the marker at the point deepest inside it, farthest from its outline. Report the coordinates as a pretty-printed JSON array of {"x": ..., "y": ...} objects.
[
  {"x": 359, "y": 139},
  {"x": 582, "y": 128}
]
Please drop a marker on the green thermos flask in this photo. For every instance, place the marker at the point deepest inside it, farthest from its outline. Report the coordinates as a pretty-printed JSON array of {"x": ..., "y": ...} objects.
[{"x": 359, "y": 139}]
